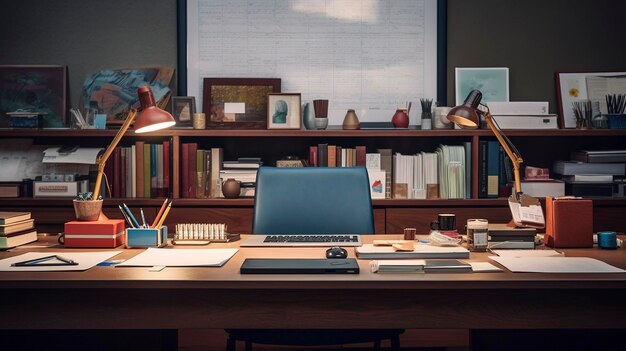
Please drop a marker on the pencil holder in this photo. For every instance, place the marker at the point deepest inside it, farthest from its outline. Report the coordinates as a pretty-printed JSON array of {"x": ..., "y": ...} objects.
[
  {"x": 146, "y": 237},
  {"x": 617, "y": 120}
]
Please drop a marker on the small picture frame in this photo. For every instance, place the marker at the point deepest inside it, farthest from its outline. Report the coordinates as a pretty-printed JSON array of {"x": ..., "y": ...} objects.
[
  {"x": 183, "y": 108},
  {"x": 493, "y": 83},
  {"x": 284, "y": 111}
]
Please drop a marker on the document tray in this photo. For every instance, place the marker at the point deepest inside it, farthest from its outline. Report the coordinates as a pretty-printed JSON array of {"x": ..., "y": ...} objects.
[{"x": 299, "y": 266}]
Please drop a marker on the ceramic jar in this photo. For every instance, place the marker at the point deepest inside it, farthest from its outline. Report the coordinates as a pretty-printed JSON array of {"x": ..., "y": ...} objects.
[
  {"x": 400, "y": 119},
  {"x": 351, "y": 121},
  {"x": 231, "y": 188}
]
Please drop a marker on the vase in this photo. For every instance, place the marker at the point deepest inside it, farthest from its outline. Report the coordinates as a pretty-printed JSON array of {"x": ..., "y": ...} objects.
[
  {"x": 308, "y": 117},
  {"x": 231, "y": 188},
  {"x": 351, "y": 121},
  {"x": 87, "y": 210},
  {"x": 400, "y": 119}
]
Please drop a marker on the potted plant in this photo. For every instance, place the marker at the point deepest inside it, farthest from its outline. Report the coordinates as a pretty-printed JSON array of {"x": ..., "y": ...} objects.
[{"x": 86, "y": 208}]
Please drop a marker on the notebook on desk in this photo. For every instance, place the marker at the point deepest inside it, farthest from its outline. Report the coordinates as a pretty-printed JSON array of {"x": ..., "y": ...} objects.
[
  {"x": 310, "y": 240},
  {"x": 299, "y": 266}
]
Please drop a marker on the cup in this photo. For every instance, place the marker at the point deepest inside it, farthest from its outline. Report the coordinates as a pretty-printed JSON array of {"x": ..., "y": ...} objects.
[
  {"x": 607, "y": 240},
  {"x": 477, "y": 234},
  {"x": 199, "y": 120},
  {"x": 409, "y": 233},
  {"x": 445, "y": 221}
]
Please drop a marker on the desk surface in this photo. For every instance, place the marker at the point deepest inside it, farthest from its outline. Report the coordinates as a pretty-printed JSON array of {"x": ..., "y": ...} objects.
[{"x": 208, "y": 297}]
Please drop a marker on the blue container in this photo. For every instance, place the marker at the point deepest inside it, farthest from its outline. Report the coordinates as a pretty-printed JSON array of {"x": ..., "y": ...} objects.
[
  {"x": 146, "y": 237},
  {"x": 617, "y": 120},
  {"x": 607, "y": 240}
]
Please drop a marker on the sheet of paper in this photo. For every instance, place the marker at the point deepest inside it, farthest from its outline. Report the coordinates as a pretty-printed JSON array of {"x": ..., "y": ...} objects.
[
  {"x": 234, "y": 107},
  {"x": 555, "y": 265},
  {"x": 180, "y": 258},
  {"x": 85, "y": 261},
  {"x": 484, "y": 267},
  {"x": 83, "y": 155},
  {"x": 528, "y": 253}
]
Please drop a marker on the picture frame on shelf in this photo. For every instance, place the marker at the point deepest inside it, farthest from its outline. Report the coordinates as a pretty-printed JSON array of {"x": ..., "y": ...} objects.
[
  {"x": 237, "y": 103},
  {"x": 579, "y": 86},
  {"x": 183, "y": 108},
  {"x": 493, "y": 82},
  {"x": 284, "y": 111},
  {"x": 34, "y": 88}
]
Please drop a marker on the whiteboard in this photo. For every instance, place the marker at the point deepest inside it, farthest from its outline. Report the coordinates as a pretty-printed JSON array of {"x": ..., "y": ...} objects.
[{"x": 372, "y": 56}]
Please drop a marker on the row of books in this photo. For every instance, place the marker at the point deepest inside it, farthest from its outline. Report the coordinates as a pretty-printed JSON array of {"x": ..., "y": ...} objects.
[
  {"x": 328, "y": 155},
  {"x": 140, "y": 170},
  {"x": 16, "y": 228},
  {"x": 495, "y": 170}
]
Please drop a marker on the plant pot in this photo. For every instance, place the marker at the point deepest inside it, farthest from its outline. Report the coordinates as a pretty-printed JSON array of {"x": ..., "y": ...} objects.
[{"x": 87, "y": 210}]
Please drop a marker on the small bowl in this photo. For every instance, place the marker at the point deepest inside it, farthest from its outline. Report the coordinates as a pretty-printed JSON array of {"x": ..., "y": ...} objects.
[
  {"x": 321, "y": 123},
  {"x": 87, "y": 210}
]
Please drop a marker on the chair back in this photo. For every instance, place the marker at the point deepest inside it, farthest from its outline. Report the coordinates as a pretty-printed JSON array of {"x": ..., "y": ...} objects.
[{"x": 312, "y": 200}]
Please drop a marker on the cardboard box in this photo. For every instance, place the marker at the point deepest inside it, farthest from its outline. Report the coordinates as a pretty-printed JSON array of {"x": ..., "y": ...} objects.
[
  {"x": 569, "y": 222},
  {"x": 107, "y": 233}
]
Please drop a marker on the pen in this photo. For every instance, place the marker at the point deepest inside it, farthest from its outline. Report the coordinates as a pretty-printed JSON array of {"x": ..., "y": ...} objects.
[
  {"x": 130, "y": 224},
  {"x": 156, "y": 219},
  {"x": 41, "y": 262},
  {"x": 167, "y": 210},
  {"x": 143, "y": 218},
  {"x": 130, "y": 215}
]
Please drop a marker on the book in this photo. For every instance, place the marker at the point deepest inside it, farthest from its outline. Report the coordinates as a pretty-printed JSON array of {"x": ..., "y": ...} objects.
[
  {"x": 573, "y": 167},
  {"x": 397, "y": 266},
  {"x": 584, "y": 189},
  {"x": 184, "y": 174},
  {"x": 322, "y": 155},
  {"x": 493, "y": 168},
  {"x": 482, "y": 169},
  {"x": 599, "y": 156},
  {"x": 597, "y": 178},
  {"x": 17, "y": 239},
  {"x": 447, "y": 266},
  {"x": 217, "y": 157},
  {"x": 15, "y": 227},
  {"x": 139, "y": 168},
  {"x": 9, "y": 190},
  {"x": 241, "y": 165},
  {"x": 369, "y": 251},
  {"x": 386, "y": 164},
  {"x": 543, "y": 187}
]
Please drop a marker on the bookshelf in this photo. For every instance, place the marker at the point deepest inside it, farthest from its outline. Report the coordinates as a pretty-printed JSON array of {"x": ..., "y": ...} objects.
[{"x": 538, "y": 148}]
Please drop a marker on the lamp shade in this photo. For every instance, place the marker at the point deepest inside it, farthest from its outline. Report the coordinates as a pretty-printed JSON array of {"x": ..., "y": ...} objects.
[
  {"x": 466, "y": 115},
  {"x": 151, "y": 118}
]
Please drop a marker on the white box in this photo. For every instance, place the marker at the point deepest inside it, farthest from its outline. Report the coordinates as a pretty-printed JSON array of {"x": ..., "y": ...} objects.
[
  {"x": 55, "y": 189},
  {"x": 519, "y": 107},
  {"x": 527, "y": 121}
]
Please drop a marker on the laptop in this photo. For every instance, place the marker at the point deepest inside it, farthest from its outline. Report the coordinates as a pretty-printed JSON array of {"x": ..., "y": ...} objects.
[
  {"x": 299, "y": 266},
  {"x": 301, "y": 240}
]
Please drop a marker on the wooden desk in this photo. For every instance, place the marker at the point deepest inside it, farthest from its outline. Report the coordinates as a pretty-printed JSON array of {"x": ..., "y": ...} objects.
[{"x": 134, "y": 298}]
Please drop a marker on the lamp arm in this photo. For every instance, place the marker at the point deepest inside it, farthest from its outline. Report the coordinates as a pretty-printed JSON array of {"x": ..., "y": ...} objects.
[
  {"x": 508, "y": 147},
  {"x": 107, "y": 153}
]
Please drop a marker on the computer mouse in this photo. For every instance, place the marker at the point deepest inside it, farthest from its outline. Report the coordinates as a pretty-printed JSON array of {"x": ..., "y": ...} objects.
[{"x": 336, "y": 252}]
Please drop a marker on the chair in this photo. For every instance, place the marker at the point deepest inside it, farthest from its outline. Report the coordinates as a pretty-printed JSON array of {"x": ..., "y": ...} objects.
[{"x": 312, "y": 200}]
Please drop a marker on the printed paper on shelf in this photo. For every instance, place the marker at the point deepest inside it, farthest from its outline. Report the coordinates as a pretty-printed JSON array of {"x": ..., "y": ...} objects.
[{"x": 518, "y": 107}]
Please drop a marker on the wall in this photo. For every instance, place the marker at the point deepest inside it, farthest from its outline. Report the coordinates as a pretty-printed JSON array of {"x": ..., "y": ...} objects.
[
  {"x": 534, "y": 38},
  {"x": 88, "y": 36}
]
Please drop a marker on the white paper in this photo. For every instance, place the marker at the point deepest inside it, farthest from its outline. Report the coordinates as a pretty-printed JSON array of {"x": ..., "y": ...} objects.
[
  {"x": 83, "y": 155},
  {"x": 555, "y": 265},
  {"x": 528, "y": 253},
  {"x": 484, "y": 267},
  {"x": 234, "y": 107},
  {"x": 180, "y": 258},
  {"x": 85, "y": 261}
]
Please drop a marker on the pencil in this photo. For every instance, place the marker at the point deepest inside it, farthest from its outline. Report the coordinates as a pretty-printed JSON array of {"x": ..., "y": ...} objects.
[
  {"x": 156, "y": 219},
  {"x": 167, "y": 210}
]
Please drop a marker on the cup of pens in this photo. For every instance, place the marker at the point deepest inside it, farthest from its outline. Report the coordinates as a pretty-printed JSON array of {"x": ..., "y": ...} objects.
[
  {"x": 141, "y": 234},
  {"x": 615, "y": 105}
]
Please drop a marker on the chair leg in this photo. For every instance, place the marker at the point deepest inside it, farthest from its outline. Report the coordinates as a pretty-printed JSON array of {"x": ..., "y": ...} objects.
[
  {"x": 377, "y": 345},
  {"x": 231, "y": 344},
  {"x": 395, "y": 343},
  {"x": 248, "y": 346}
]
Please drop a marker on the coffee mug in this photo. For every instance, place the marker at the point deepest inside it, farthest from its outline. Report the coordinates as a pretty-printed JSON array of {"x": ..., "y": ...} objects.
[{"x": 445, "y": 221}]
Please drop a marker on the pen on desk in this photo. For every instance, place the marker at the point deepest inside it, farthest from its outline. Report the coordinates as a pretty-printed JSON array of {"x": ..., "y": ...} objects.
[
  {"x": 156, "y": 219},
  {"x": 130, "y": 215},
  {"x": 143, "y": 218},
  {"x": 162, "y": 219}
]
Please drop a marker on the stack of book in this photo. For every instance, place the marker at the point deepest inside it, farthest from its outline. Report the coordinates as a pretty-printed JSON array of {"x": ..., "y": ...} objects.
[
  {"x": 244, "y": 171},
  {"x": 501, "y": 236},
  {"x": 595, "y": 175},
  {"x": 523, "y": 115},
  {"x": 537, "y": 183},
  {"x": 16, "y": 228}
]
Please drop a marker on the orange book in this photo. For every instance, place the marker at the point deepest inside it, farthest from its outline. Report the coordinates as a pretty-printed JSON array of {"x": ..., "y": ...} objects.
[{"x": 332, "y": 156}]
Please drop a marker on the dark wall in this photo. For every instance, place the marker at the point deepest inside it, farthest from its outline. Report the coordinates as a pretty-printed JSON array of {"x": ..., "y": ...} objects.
[
  {"x": 534, "y": 38},
  {"x": 88, "y": 35}
]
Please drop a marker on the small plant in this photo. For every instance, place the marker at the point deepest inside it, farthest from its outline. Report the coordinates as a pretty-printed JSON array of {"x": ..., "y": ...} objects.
[{"x": 86, "y": 196}]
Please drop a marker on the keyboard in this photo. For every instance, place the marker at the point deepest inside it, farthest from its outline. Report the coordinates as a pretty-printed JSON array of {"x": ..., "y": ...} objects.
[{"x": 302, "y": 240}]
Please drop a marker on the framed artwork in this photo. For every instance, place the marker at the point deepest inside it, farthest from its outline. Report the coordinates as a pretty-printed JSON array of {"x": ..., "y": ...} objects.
[
  {"x": 284, "y": 111},
  {"x": 578, "y": 86},
  {"x": 40, "y": 89},
  {"x": 493, "y": 82},
  {"x": 237, "y": 103},
  {"x": 183, "y": 108}
]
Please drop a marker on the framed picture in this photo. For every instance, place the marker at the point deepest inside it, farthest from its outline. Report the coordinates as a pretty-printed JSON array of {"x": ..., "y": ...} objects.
[
  {"x": 284, "y": 111},
  {"x": 237, "y": 103},
  {"x": 40, "y": 89},
  {"x": 577, "y": 86},
  {"x": 183, "y": 108},
  {"x": 493, "y": 82}
]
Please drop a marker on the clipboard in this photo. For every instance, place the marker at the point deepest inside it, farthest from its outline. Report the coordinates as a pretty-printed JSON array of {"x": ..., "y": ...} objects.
[
  {"x": 52, "y": 260},
  {"x": 526, "y": 211}
]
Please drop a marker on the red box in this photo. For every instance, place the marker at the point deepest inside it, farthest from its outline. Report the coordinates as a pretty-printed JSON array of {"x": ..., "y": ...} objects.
[
  {"x": 106, "y": 233},
  {"x": 569, "y": 222}
]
